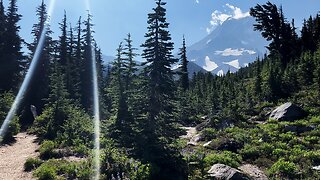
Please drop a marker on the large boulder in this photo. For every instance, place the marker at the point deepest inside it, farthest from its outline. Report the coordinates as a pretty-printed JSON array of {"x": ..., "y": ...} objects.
[
  {"x": 253, "y": 172},
  {"x": 288, "y": 112},
  {"x": 224, "y": 172}
]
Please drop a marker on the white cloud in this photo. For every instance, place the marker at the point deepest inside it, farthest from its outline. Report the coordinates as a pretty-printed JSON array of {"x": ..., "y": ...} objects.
[
  {"x": 217, "y": 17},
  {"x": 230, "y": 52},
  {"x": 251, "y": 52},
  {"x": 234, "y": 63},
  {"x": 197, "y": 1},
  {"x": 209, "y": 65},
  {"x": 234, "y": 52},
  {"x": 237, "y": 13}
]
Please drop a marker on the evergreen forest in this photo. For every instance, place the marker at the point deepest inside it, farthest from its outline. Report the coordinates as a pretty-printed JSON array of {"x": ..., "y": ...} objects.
[{"x": 147, "y": 110}]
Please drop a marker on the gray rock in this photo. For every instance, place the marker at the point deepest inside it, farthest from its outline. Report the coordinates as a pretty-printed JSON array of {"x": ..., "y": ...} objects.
[
  {"x": 288, "y": 112},
  {"x": 224, "y": 172},
  {"x": 253, "y": 172}
]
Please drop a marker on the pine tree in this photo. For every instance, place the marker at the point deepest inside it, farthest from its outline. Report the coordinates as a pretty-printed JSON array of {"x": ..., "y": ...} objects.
[
  {"x": 131, "y": 65},
  {"x": 273, "y": 26},
  {"x": 2, "y": 46},
  {"x": 122, "y": 130},
  {"x": 39, "y": 86},
  {"x": 87, "y": 74},
  {"x": 78, "y": 63},
  {"x": 307, "y": 35},
  {"x": 78, "y": 42},
  {"x": 184, "y": 78},
  {"x": 159, "y": 131},
  {"x": 100, "y": 67},
  {"x": 316, "y": 73},
  {"x": 305, "y": 69},
  {"x": 12, "y": 57},
  {"x": 101, "y": 81},
  {"x": 63, "y": 44},
  {"x": 57, "y": 100},
  {"x": 3, "y": 18},
  {"x": 64, "y": 57},
  {"x": 73, "y": 81},
  {"x": 258, "y": 81}
]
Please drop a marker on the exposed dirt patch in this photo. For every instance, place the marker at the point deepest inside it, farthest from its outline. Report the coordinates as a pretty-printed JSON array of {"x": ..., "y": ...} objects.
[
  {"x": 192, "y": 135},
  {"x": 13, "y": 157}
]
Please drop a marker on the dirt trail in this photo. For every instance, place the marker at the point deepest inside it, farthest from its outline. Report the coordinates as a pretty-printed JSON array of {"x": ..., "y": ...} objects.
[
  {"x": 192, "y": 135},
  {"x": 13, "y": 157}
]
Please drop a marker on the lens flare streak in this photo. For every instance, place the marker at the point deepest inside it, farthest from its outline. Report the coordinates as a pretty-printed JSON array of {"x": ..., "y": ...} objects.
[
  {"x": 29, "y": 75},
  {"x": 96, "y": 118},
  {"x": 96, "y": 109}
]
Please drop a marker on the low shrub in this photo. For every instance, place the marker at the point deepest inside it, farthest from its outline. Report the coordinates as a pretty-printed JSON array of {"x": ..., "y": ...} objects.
[
  {"x": 46, "y": 149},
  {"x": 45, "y": 172},
  {"x": 54, "y": 168},
  {"x": 32, "y": 163},
  {"x": 227, "y": 158},
  {"x": 283, "y": 169},
  {"x": 13, "y": 129},
  {"x": 6, "y": 99},
  {"x": 250, "y": 152},
  {"x": 209, "y": 133}
]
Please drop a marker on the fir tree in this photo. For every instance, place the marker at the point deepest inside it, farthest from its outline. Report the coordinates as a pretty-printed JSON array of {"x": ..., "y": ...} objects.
[
  {"x": 87, "y": 74},
  {"x": 184, "y": 78},
  {"x": 57, "y": 100},
  {"x": 78, "y": 62},
  {"x": 316, "y": 73},
  {"x": 258, "y": 81},
  {"x": 159, "y": 131},
  {"x": 39, "y": 86},
  {"x": 3, "y": 80},
  {"x": 305, "y": 69},
  {"x": 12, "y": 57},
  {"x": 63, "y": 43},
  {"x": 73, "y": 81},
  {"x": 122, "y": 129},
  {"x": 63, "y": 57},
  {"x": 274, "y": 27},
  {"x": 131, "y": 65}
]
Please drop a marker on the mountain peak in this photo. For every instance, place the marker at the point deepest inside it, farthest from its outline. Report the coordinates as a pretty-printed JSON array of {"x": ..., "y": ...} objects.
[{"x": 230, "y": 46}]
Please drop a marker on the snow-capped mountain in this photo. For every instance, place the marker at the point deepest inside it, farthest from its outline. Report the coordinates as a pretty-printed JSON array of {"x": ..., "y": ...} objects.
[{"x": 232, "y": 45}]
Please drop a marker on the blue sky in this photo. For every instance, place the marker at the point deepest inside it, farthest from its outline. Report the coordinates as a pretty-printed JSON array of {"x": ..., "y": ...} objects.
[{"x": 113, "y": 19}]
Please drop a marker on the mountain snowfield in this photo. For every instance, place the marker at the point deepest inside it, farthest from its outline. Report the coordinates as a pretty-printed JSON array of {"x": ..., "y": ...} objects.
[{"x": 230, "y": 46}]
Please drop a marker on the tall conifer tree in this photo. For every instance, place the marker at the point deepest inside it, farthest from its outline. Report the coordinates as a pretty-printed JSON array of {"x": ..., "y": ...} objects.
[
  {"x": 159, "y": 130},
  {"x": 131, "y": 65},
  {"x": 39, "y": 87},
  {"x": 2, "y": 48},
  {"x": 12, "y": 59},
  {"x": 87, "y": 73},
  {"x": 184, "y": 78}
]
